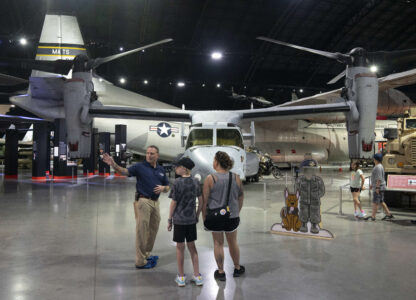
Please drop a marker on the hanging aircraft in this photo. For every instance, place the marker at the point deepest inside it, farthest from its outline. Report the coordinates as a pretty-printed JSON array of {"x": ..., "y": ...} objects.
[
  {"x": 59, "y": 97},
  {"x": 250, "y": 99}
]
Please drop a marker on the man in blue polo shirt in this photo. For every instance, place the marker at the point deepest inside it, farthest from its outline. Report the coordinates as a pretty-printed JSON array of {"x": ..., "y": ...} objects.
[{"x": 151, "y": 181}]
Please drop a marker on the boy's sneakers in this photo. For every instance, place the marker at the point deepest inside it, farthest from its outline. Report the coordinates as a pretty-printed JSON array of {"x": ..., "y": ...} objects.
[
  {"x": 239, "y": 272},
  {"x": 219, "y": 276},
  {"x": 356, "y": 214},
  {"x": 197, "y": 279},
  {"x": 362, "y": 214},
  {"x": 370, "y": 218},
  {"x": 180, "y": 280},
  {"x": 388, "y": 217},
  {"x": 150, "y": 264}
]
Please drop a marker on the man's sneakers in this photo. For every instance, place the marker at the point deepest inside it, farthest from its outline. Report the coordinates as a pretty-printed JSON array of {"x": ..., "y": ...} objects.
[
  {"x": 150, "y": 264},
  {"x": 388, "y": 217},
  {"x": 370, "y": 218},
  {"x": 239, "y": 272},
  {"x": 197, "y": 280},
  {"x": 153, "y": 257},
  {"x": 180, "y": 280},
  {"x": 219, "y": 276}
]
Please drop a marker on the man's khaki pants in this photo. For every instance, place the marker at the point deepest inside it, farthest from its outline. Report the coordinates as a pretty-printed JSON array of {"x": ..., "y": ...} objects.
[{"x": 147, "y": 215}]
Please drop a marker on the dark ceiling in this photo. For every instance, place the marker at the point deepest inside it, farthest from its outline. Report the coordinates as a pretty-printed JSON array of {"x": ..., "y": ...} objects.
[{"x": 252, "y": 67}]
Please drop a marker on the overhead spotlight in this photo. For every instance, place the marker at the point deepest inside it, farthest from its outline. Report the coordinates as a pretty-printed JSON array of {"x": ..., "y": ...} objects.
[
  {"x": 12, "y": 105},
  {"x": 245, "y": 87},
  {"x": 218, "y": 85},
  {"x": 203, "y": 85},
  {"x": 216, "y": 55},
  {"x": 181, "y": 84},
  {"x": 100, "y": 80},
  {"x": 145, "y": 81},
  {"x": 121, "y": 49},
  {"x": 122, "y": 80},
  {"x": 301, "y": 90},
  {"x": 23, "y": 41},
  {"x": 373, "y": 68},
  {"x": 143, "y": 50}
]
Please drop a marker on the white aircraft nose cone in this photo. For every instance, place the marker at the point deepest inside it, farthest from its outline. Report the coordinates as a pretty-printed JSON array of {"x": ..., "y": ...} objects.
[{"x": 203, "y": 157}]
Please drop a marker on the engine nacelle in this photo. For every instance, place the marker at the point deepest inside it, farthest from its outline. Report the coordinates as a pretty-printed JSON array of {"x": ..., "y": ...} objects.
[
  {"x": 361, "y": 120},
  {"x": 77, "y": 95}
]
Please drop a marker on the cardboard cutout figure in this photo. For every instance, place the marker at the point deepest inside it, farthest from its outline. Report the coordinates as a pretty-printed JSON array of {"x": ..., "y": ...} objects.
[
  {"x": 290, "y": 212},
  {"x": 311, "y": 188}
]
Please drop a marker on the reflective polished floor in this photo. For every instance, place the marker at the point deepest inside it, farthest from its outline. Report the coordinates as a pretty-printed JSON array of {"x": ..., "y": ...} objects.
[{"x": 75, "y": 240}]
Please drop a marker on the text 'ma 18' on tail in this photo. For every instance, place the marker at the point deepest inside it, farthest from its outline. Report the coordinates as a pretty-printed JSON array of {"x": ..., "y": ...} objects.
[{"x": 60, "y": 39}]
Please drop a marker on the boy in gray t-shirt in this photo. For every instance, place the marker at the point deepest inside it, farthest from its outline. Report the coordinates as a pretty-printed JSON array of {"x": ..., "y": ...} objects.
[
  {"x": 378, "y": 185},
  {"x": 184, "y": 216}
]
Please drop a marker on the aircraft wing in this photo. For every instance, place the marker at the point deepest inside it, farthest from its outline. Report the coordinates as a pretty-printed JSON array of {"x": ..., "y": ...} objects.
[
  {"x": 295, "y": 112},
  {"x": 20, "y": 119},
  {"x": 140, "y": 113},
  {"x": 263, "y": 114}
]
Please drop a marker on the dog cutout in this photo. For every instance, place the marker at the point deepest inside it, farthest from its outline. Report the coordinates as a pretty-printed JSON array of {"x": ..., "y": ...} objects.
[{"x": 290, "y": 212}]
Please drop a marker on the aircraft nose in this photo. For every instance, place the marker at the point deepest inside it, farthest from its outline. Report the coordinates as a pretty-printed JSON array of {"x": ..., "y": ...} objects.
[{"x": 203, "y": 158}]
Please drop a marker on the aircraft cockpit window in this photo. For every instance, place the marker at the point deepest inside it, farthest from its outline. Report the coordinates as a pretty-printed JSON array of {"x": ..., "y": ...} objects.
[
  {"x": 199, "y": 137},
  {"x": 229, "y": 137},
  {"x": 411, "y": 123}
]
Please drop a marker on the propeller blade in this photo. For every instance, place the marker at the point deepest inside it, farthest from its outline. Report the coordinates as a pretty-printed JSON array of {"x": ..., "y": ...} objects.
[
  {"x": 338, "y": 56},
  {"x": 99, "y": 61},
  {"x": 59, "y": 66},
  {"x": 336, "y": 78}
]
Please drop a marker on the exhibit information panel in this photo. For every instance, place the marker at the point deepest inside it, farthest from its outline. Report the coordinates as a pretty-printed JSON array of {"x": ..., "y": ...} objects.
[{"x": 407, "y": 182}]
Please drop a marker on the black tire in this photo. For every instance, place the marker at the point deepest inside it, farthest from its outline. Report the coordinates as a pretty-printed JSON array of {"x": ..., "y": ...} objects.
[{"x": 276, "y": 172}]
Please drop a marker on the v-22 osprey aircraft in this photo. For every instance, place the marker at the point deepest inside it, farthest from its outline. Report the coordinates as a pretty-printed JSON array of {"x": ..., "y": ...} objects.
[{"x": 53, "y": 97}]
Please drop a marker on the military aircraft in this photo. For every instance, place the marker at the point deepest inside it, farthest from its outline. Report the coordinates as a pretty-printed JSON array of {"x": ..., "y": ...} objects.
[
  {"x": 243, "y": 98},
  {"x": 57, "y": 97},
  {"x": 24, "y": 148}
]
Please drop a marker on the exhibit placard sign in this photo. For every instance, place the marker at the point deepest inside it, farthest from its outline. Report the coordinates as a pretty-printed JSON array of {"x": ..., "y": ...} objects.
[{"x": 407, "y": 182}]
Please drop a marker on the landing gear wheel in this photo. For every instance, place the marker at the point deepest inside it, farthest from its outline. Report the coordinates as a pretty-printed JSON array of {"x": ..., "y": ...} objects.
[{"x": 276, "y": 172}]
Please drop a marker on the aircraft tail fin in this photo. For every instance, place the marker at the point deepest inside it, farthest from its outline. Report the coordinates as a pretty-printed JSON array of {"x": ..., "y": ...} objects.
[{"x": 60, "y": 39}]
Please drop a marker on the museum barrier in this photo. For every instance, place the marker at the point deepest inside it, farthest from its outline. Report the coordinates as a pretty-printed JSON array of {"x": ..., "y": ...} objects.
[{"x": 347, "y": 186}]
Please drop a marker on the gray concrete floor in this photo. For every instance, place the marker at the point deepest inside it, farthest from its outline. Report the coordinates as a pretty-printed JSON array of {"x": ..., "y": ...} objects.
[{"x": 75, "y": 240}]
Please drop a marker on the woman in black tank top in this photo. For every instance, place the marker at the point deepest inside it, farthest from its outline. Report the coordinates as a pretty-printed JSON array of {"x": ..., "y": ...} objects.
[{"x": 222, "y": 164}]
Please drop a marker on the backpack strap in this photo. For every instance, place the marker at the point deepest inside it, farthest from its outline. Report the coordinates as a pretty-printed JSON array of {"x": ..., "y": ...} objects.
[{"x": 229, "y": 187}]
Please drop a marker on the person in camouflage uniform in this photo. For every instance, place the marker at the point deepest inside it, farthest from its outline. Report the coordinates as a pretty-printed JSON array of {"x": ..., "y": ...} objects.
[{"x": 311, "y": 188}]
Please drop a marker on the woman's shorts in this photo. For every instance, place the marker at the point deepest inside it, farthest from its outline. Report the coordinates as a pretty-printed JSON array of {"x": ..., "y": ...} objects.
[
  {"x": 227, "y": 225},
  {"x": 355, "y": 190},
  {"x": 184, "y": 232}
]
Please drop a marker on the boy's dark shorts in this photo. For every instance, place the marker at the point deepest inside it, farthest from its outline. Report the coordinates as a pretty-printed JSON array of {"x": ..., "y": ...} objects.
[
  {"x": 184, "y": 232},
  {"x": 378, "y": 198},
  {"x": 228, "y": 225},
  {"x": 355, "y": 190}
]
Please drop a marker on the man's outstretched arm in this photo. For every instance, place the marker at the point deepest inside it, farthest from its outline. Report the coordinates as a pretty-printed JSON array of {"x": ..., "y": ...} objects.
[{"x": 110, "y": 161}]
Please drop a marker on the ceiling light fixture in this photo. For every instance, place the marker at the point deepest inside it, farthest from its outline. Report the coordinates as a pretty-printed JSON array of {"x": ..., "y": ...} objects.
[{"x": 216, "y": 55}]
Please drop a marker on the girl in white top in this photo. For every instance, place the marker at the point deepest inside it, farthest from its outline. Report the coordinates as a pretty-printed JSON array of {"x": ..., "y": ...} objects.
[{"x": 356, "y": 186}]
